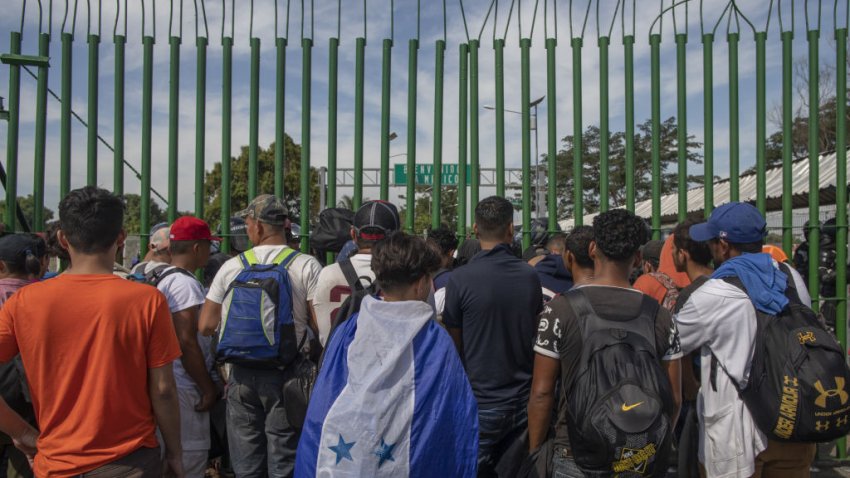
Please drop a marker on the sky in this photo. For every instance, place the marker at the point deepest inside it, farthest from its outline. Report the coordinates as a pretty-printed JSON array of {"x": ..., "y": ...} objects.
[{"x": 380, "y": 16}]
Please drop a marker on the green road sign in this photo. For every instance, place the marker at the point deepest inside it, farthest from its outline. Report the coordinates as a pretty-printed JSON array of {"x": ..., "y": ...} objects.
[{"x": 425, "y": 175}]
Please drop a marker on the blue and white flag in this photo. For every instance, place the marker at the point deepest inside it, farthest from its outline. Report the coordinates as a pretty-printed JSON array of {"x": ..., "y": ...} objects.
[{"x": 391, "y": 400}]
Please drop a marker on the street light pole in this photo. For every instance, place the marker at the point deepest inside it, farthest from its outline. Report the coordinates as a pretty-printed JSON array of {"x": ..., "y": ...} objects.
[{"x": 533, "y": 126}]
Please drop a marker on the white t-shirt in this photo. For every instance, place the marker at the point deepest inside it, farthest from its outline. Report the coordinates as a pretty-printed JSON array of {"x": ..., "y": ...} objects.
[
  {"x": 332, "y": 289},
  {"x": 183, "y": 292},
  {"x": 303, "y": 273}
]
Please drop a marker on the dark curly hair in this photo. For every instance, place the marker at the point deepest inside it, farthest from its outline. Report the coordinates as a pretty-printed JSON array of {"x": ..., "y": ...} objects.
[
  {"x": 91, "y": 218},
  {"x": 53, "y": 247},
  {"x": 444, "y": 238},
  {"x": 699, "y": 251},
  {"x": 578, "y": 243},
  {"x": 402, "y": 259},
  {"x": 619, "y": 234}
]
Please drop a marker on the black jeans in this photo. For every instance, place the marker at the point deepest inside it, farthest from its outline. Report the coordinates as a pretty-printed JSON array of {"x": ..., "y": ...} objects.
[{"x": 497, "y": 429}]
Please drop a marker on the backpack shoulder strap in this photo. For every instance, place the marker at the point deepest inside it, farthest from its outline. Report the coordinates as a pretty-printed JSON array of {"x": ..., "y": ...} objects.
[
  {"x": 791, "y": 291},
  {"x": 248, "y": 258},
  {"x": 285, "y": 257},
  {"x": 582, "y": 309},
  {"x": 351, "y": 275},
  {"x": 174, "y": 270}
]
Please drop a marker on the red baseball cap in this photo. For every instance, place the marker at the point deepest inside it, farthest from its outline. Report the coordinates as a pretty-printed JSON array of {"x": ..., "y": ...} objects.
[{"x": 189, "y": 228}]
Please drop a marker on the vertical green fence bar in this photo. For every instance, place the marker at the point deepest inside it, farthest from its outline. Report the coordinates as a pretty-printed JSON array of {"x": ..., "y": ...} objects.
[
  {"x": 761, "y": 124},
  {"x": 65, "y": 116},
  {"x": 629, "y": 55},
  {"x": 841, "y": 198},
  {"x": 118, "y": 142},
  {"x": 254, "y": 120},
  {"x": 147, "y": 107},
  {"x": 734, "y": 131},
  {"x": 173, "y": 124},
  {"x": 439, "y": 59},
  {"x": 12, "y": 138},
  {"x": 552, "y": 135},
  {"x": 708, "y": 121},
  {"x": 787, "y": 113},
  {"x": 226, "y": 128},
  {"x": 91, "y": 129},
  {"x": 359, "y": 72},
  {"x": 280, "y": 120},
  {"x": 40, "y": 135},
  {"x": 813, "y": 36},
  {"x": 655, "y": 53},
  {"x": 682, "y": 123},
  {"x": 386, "y": 77},
  {"x": 603, "y": 123},
  {"x": 463, "y": 98},
  {"x": 333, "y": 94},
  {"x": 200, "y": 123},
  {"x": 525, "y": 72},
  {"x": 499, "y": 46},
  {"x": 578, "y": 191},
  {"x": 474, "y": 155},
  {"x": 306, "y": 78},
  {"x": 410, "y": 192}
]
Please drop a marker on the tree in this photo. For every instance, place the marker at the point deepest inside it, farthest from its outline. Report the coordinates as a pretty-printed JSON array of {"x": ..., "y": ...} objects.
[
  {"x": 827, "y": 118},
  {"x": 265, "y": 182},
  {"x": 133, "y": 214},
  {"x": 423, "y": 204},
  {"x": 27, "y": 205},
  {"x": 617, "y": 166}
]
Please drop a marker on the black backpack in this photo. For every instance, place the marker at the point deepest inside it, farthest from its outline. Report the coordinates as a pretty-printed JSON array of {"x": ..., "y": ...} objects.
[
  {"x": 619, "y": 403},
  {"x": 351, "y": 304},
  {"x": 157, "y": 274},
  {"x": 333, "y": 230},
  {"x": 799, "y": 387}
]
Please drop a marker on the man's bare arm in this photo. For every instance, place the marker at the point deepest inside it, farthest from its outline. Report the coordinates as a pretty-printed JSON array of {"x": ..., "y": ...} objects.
[
  {"x": 163, "y": 394},
  {"x": 210, "y": 318},
  {"x": 542, "y": 399},
  {"x": 186, "y": 326}
]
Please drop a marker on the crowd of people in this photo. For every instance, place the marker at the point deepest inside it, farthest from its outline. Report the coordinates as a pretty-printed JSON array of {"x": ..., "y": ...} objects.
[{"x": 596, "y": 352}]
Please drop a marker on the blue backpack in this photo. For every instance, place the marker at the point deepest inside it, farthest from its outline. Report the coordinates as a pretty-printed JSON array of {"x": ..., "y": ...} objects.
[{"x": 257, "y": 328}]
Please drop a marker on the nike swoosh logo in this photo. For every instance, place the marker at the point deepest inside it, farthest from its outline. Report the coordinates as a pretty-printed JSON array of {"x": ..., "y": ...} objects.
[{"x": 626, "y": 408}]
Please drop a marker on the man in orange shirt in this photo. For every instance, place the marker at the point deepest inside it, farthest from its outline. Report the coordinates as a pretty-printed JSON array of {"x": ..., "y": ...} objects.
[{"x": 97, "y": 352}]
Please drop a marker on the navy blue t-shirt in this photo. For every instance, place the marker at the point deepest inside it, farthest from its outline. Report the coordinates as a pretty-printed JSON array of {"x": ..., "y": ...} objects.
[{"x": 495, "y": 300}]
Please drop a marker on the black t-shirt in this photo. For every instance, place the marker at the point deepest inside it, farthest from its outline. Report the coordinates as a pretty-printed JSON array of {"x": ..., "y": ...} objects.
[
  {"x": 495, "y": 300},
  {"x": 559, "y": 336}
]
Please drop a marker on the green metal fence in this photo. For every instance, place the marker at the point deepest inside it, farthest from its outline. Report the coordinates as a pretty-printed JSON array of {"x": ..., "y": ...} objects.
[{"x": 742, "y": 35}]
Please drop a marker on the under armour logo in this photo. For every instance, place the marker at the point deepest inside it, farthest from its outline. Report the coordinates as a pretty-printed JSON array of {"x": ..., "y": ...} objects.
[
  {"x": 841, "y": 421},
  {"x": 790, "y": 381},
  {"x": 838, "y": 391},
  {"x": 821, "y": 426},
  {"x": 807, "y": 338}
]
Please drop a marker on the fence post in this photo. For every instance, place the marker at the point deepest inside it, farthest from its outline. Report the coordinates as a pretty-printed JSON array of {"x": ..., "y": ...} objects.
[
  {"x": 552, "y": 138},
  {"x": 787, "y": 112},
  {"x": 708, "y": 122},
  {"x": 734, "y": 141},
  {"x": 12, "y": 138},
  {"x": 173, "y": 125},
  {"x": 147, "y": 105},
  {"x": 655, "y": 47},
  {"x": 359, "y": 71},
  {"x": 306, "y": 78},
  {"x": 118, "y": 143},
  {"x": 254, "y": 120},
  {"x": 603, "y": 123},
  {"x": 578, "y": 190},
  {"x": 629, "y": 55},
  {"x": 813, "y": 36},
  {"x": 91, "y": 129},
  {"x": 440, "y": 49},
  {"x": 40, "y": 135},
  {"x": 463, "y": 98},
  {"x": 226, "y": 129},
  {"x": 410, "y": 192},
  {"x": 499, "y": 47},
  {"x": 474, "y": 158},
  {"x": 280, "y": 118},
  {"x": 841, "y": 199},
  {"x": 386, "y": 79},
  {"x": 200, "y": 124},
  {"x": 761, "y": 124},
  {"x": 682, "y": 123}
]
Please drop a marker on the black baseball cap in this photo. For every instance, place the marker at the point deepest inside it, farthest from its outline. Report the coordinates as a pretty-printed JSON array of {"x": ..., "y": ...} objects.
[{"x": 376, "y": 219}]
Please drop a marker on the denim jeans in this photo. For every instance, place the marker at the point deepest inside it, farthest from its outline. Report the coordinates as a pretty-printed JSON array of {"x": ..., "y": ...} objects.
[
  {"x": 261, "y": 441},
  {"x": 498, "y": 428},
  {"x": 563, "y": 465}
]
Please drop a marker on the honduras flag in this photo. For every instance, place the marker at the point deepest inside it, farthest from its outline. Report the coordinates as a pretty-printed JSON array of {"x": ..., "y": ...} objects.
[{"x": 391, "y": 400}]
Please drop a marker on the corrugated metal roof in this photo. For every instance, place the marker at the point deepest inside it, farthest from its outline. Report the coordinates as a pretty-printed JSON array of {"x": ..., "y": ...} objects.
[{"x": 747, "y": 191}]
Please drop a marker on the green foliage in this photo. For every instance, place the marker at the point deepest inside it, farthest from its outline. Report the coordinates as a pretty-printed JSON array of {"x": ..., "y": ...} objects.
[
  {"x": 239, "y": 183},
  {"x": 133, "y": 214},
  {"x": 617, "y": 166},
  {"x": 27, "y": 204},
  {"x": 423, "y": 204}
]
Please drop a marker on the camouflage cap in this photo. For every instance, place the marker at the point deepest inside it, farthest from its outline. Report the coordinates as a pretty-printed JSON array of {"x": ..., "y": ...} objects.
[{"x": 266, "y": 208}]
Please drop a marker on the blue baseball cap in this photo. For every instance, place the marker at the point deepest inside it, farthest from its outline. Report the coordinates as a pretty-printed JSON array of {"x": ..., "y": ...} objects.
[{"x": 735, "y": 222}]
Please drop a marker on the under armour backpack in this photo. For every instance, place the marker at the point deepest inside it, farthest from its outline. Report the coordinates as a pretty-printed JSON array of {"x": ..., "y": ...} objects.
[
  {"x": 799, "y": 385},
  {"x": 619, "y": 403},
  {"x": 257, "y": 328}
]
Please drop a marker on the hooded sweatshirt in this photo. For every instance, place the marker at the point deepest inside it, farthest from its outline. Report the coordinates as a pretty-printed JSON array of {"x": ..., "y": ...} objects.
[
  {"x": 765, "y": 283},
  {"x": 554, "y": 276}
]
